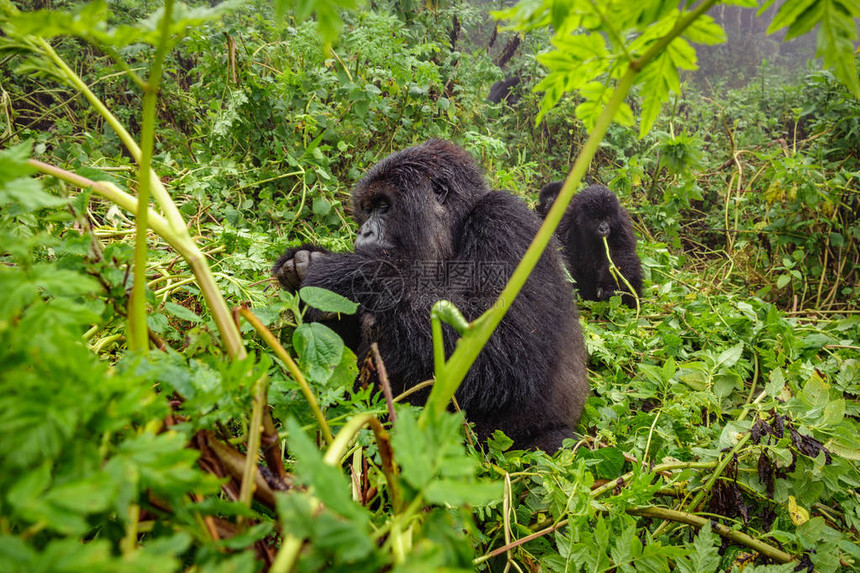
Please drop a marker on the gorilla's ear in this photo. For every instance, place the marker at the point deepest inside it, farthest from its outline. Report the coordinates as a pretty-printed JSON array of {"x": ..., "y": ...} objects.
[{"x": 440, "y": 188}]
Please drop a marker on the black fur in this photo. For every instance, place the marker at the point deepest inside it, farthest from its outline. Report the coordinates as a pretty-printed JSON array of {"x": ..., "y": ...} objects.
[
  {"x": 505, "y": 90},
  {"x": 582, "y": 243},
  {"x": 547, "y": 196},
  {"x": 441, "y": 226}
]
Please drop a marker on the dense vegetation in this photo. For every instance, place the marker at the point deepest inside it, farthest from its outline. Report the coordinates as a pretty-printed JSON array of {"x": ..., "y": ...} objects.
[{"x": 724, "y": 427}]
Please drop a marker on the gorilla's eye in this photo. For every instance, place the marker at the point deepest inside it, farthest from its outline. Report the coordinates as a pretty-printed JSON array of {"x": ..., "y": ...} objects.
[{"x": 382, "y": 207}]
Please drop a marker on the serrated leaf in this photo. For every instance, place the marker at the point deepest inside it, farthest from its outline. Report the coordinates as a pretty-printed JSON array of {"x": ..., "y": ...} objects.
[
  {"x": 706, "y": 555},
  {"x": 836, "y": 36},
  {"x": 320, "y": 350},
  {"x": 327, "y": 301},
  {"x": 788, "y": 13},
  {"x": 704, "y": 30}
]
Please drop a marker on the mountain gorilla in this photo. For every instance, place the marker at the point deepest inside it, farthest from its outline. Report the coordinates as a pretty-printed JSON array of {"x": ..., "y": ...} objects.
[
  {"x": 547, "y": 196},
  {"x": 430, "y": 229},
  {"x": 593, "y": 214}
]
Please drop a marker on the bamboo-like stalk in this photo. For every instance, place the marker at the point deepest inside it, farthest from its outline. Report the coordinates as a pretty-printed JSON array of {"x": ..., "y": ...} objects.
[
  {"x": 180, "y": 241},
  {"x": 246, "y": 491},
  {"x": 293, "y": 369},
  {"x": 137, "y": 329}
]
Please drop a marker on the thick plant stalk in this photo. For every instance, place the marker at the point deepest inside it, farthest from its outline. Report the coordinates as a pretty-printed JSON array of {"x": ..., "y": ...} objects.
[
  {"x": 171, "y": 213},
  {"x": 696, "y": 521},
  {"x": 180, "y": 241},
  {"x": 292, "y": 367},
  {"x": 468, "y": 347},
  {"x": 246, "y": 491},
  {"x": 138, "y": 339}
]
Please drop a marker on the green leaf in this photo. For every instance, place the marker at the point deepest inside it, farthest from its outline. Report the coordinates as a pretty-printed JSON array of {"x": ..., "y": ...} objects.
[
  {"x": 320, "y": 350},
  {"x": 706, "y": 553},
  {"x": 725, "y": 384},
  {"x": 604, "y": 463},
  {"x": 834, "y": 412},
  {"x": 458, "y": 492},
  {"x": 730, "y": 356},
  {"x": 837, "y": 34},
  {"x": 789, "y": 12},
  {"x": 775, "y": 384},
  {"x": 329, "y": 483},
  {"x": 327, "y": 301},
  {"x": 181, "y": 312},
  {"x": 704, "y": 30}
]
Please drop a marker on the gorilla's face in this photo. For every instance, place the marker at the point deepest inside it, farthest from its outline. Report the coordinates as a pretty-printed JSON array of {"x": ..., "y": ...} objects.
[
  {"x": 372, "y": 215},
  {"x": 597, "y": 211},
  {"x": 412, "y": 203}
]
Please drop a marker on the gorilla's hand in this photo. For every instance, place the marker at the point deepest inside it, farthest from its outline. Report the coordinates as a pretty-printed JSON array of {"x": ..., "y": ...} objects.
[{"x": 292, "y": 267}]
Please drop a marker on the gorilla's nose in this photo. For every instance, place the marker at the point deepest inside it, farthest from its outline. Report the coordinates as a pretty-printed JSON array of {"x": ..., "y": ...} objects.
[{"x": 603, "y": 228}]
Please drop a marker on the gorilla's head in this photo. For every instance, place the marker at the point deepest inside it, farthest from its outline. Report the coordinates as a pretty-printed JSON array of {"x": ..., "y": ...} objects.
[
  {"x": 413, "y": 202},
  {"x": 597, "y": 212},
  {"x": 547, "y": 196}
]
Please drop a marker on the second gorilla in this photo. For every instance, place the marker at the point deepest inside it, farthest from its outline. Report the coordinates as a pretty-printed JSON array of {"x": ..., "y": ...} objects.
[{"x": 431, "y": 229}]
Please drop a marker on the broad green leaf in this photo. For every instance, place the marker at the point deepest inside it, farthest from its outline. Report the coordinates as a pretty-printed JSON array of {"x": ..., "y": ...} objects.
[
  {"x": 604, "y": 463},
  {"x": 837, "y": 35},
  {"x": 730, "y": 356},
  {"x": 180, "y": 311},
  {"x": 320, "y": 350},
  {"x": 775, "y": 384},
  {"x": 705, "y": 30},
  {"x": 458, "y": 492},
  {"x": 816, "y": 391},
  {"x": 725, "y": 384},
  {"x": 327, "y": 301},
  {"x": 788, "y": 13},
  {"x": 834, "y": 412}
]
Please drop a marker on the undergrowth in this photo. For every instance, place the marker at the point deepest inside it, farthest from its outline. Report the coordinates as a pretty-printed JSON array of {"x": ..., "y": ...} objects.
[{"x": 722, "y": 431}]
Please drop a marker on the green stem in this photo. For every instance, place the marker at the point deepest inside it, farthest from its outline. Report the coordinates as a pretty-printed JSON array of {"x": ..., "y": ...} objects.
[
  {"x": 348, "y": 432},
  {"x": 442, "y": 311},
  {"x": 293, "y": 369},
  {"x": 178, "y": 239},
  {"x": 171, "y": 212},
  {"x": 617, "y": 275},
  {"x": 246, "y": 491},
  {"x": 138, "y": 339},
  {"x": 718, "y": 528}
]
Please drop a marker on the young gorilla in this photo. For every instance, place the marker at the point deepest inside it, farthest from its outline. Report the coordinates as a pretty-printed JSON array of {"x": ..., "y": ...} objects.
[
  {"x": 430, "y": 229},
  {"x": 547, "y": 196},
  {"x": 593, "y": 214}
]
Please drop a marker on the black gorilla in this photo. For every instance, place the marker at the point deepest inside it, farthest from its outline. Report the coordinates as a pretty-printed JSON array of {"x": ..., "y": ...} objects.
[
  {"x": 505, "y": 90},
  {"x": 430, "y": 230},
  {"x": 547, "y": 196},
  {"x": 593, "y": 214}
]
